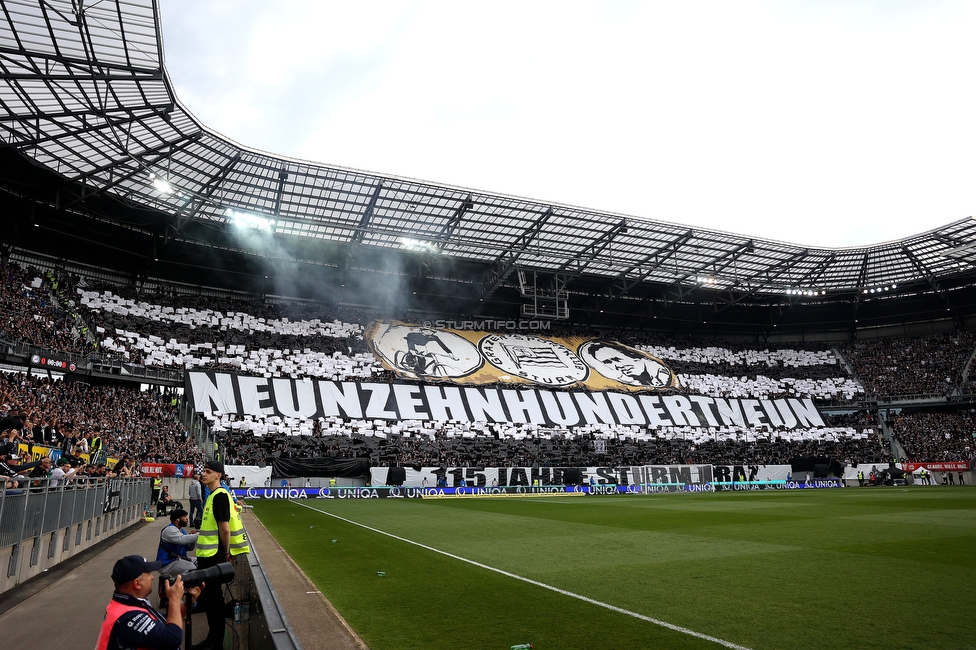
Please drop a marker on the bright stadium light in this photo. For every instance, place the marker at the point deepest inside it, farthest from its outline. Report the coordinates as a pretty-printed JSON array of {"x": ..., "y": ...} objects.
[
  {"x": 160, "y": 184},
  {"x": 246, "y": 220},
  {"x": 417, "y": 245}
]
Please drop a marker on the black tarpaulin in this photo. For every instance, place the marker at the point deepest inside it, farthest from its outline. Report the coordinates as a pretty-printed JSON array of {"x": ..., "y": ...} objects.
[{"x": 320, "y": 467}]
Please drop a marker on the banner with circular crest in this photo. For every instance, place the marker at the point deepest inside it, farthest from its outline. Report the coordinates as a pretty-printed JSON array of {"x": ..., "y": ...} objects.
[{"x": 475, "y": 357}]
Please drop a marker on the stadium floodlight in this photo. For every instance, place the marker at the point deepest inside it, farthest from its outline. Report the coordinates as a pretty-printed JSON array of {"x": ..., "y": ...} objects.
[
  {"x": 161, "y": 184},
  {"x": 417, "y": 245},
  {"x": 247, "y": 220}
]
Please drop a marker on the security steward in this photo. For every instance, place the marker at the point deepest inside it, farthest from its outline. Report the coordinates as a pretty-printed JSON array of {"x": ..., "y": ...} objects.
[
  {"x": 221, "y": 538},
  {"x": 130, "y": 621}
]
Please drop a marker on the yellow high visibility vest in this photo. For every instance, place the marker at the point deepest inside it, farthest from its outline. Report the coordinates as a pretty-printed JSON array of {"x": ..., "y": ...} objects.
[{"x": 208, "y": 540}]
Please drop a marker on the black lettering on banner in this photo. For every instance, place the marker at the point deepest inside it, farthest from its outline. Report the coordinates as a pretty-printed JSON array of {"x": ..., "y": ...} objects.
[
  {"x": 212, "y": 392},
  {"x": 771, "y": 413},
  {"x": 378, "y": 406},
  {"x": 606, "y": 475},
  {"x": 806, "y": 412},
  {"x": 626, "y": 409},
  {"x": 458, "y": 474},
  {"x": 789, "y": 420},
  {"x": 560, "y": 408},
  {"x": 679, "y": 407},
  {"x": 518, "y": 477},
  {"x": 704, "y": 407},
  {"x": 722, "y": 474},
  {"x": 656, "y": 417},
  {"x": 681, "y": 474},
  {"x": 475, "y": 478},
  {"x": 409, "y": 402},
  {"x": 594, "y": 408},
  {"x": 659, "y": 474},
  {"x": 341, "y": 399},
  {"x": 294, "y": 399},
  {"x": 444, "y": 403},
  {"x": 485, "y": 405},
  {"x": 753, "y": 414},
  {"x": 523, "y": 406}
]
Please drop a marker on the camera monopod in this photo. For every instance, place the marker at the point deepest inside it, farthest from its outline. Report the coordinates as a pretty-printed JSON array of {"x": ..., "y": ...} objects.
[{"x": 215, "y": 576}]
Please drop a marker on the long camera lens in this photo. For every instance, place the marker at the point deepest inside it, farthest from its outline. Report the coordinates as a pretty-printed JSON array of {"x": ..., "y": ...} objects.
[{"x": 219, "y": 574}]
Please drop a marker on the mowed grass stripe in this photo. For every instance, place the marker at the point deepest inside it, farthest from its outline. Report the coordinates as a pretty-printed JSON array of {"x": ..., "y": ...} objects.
[
  {"x": 536, "y": 583},
  {"x": 823, "y": 569},
  {"x": 428, "y": 600}
]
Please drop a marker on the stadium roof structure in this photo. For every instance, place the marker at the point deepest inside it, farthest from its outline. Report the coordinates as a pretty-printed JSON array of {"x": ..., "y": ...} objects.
[{"x": 104, "y": 166}]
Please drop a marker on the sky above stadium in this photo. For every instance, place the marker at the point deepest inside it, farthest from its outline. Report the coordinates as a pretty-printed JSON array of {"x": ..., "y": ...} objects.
[{"x": 819, "y": 123}]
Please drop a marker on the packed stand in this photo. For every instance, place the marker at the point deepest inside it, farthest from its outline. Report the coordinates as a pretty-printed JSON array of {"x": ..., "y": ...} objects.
[
  {"x": 32, "y": 312},
  {"x": 429, "y": 443},
  {"x": 127, "y": 424},
  {"x": 936, "y": 436},
  {"x": 914, "y": 366},
  {"x": 224, "y": 334},
  {"x": 297, "y": 340},
  {"x": 737, "y": 371},
  {"x": 258, "y": 339}
]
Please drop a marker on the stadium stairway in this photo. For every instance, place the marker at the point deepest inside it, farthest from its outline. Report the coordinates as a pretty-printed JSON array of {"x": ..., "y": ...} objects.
[{"x": 64, "y": 607}]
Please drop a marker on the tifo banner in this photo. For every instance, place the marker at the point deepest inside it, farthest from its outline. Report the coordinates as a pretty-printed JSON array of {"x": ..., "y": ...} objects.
[
  {"x": 676, "y": 475},
  {"x": 226, "y": 392},
  {"x": 459, "y": 482},
  {"x": 958, "y": 466},
  {"x": 477, "y": 358},
  {"x": 159, "y": 470}
]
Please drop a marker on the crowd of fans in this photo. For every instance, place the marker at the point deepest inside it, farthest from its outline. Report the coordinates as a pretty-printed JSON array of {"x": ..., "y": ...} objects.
[
  {"x": 61, "y": 312},
  {"x": 32, "y": 315},
  {"x": 455, "y": 444},
  {"x": 98, "y": 422},
  {"x": 914, "y": 366},
  {"x": 937, "y": 435}
]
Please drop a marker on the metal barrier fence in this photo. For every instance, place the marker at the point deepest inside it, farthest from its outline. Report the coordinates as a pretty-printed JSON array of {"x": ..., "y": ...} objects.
[
  {"x": 259, "y": 622},
  {"x": 41, "y": 525}
]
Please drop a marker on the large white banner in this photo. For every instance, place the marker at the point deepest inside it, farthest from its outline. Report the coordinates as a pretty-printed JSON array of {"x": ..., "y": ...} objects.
[
  {"x": 214, "y": 392},
  {"x": 677, "y": 476}
]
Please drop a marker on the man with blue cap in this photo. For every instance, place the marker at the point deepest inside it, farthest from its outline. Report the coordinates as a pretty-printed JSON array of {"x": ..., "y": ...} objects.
[{"x": 130, "y": 621}]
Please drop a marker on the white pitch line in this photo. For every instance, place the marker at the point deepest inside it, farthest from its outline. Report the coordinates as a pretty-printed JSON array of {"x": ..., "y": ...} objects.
[{"x": 585, "y": 599}]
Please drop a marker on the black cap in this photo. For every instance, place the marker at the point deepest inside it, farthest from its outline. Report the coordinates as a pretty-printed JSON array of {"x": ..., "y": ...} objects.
[
  {"x": 176, "y": 514},
  {"x": 131, "y": 567},
  {"x": 215, "y": 466}
]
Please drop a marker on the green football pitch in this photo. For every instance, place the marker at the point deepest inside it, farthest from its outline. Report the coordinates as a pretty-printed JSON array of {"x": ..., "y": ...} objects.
[{"x": 848, "y": 568}]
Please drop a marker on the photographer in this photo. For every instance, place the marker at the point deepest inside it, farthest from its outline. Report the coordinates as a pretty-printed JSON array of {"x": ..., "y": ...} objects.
[
  {"x": 221, "y": 537},
  {"x": 130, "y": 621},
  {"x": 174, "y": 544}
]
